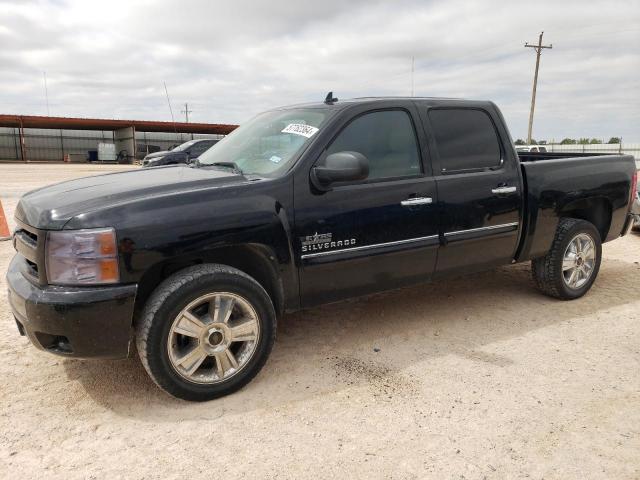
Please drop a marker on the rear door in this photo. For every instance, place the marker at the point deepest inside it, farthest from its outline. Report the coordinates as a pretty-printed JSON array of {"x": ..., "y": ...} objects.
[
  {"x": 479, "y": 189},
  {"x": 375, "y": 234}
]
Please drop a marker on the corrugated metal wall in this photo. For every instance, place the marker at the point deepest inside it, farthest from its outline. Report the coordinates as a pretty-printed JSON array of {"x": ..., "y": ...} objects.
[
  {"x": 53, "y": 145},
  {"x": 9, "y": 144}
]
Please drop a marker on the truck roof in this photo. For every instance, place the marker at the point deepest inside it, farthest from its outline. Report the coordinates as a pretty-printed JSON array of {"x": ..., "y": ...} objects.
[{"x": 373, "y": 100}]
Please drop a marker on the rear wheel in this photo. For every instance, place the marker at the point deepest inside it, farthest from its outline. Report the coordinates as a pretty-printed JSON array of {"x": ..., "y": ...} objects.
[
  {"x": 206, "y": 332},
  {"x": 572, "y": 264}
]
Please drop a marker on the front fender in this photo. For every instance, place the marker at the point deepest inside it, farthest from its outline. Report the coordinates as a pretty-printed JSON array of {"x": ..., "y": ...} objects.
[{"x": 195, "y": 226}]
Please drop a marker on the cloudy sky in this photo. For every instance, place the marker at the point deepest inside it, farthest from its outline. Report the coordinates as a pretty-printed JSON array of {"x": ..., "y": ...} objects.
[{"x": 230, "y": 60}]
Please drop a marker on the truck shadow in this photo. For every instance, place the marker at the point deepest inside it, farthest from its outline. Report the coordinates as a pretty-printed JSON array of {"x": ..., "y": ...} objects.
[{"x": 371, "y": 343}]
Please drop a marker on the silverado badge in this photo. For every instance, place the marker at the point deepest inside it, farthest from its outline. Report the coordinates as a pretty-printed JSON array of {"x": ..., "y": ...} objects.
[{"x": 323, "y": 241}]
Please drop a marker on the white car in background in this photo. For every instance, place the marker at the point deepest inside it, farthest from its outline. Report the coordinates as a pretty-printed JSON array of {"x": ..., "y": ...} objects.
[{"x": 531, "y": 148}]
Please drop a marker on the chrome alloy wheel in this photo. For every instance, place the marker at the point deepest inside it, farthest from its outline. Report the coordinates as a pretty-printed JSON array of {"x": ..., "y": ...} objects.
[
  {"x": 213, "y": 338},
  {"x": 579, "y": 261}
]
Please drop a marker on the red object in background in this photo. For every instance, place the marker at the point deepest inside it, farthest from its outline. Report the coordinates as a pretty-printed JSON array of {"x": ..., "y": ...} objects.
[{"x": 4, "y": 227}]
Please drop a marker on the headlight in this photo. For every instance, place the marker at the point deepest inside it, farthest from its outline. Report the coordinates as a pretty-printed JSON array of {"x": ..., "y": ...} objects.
[{"x": 82, "y": 257}]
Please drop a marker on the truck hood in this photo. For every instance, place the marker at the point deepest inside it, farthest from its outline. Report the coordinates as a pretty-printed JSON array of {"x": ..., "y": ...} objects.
[{"x": 50, "y": 208}]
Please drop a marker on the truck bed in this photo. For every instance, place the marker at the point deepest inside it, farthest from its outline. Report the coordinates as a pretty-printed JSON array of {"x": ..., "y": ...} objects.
[
  {"x": 541, "y": 156},
  {"x": 582, "y": 185}
]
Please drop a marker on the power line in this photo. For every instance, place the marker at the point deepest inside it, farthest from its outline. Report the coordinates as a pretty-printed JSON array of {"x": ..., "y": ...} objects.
[{"x": 538, "y": 48}]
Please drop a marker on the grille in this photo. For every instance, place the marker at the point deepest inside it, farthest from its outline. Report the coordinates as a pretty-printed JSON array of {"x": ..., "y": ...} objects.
[
  {"x": 30, "y": 235},
  {"x": 29, "y": 243},
  {"x": 33, "y": 268}
]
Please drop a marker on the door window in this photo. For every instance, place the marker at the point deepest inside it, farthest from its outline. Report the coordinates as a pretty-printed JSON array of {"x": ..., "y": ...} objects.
[
  {"x": 387, "y": 139},
  {"x": 465, "y": 139}
]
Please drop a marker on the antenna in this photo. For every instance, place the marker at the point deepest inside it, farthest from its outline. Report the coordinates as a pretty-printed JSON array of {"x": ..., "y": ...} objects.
[
  {"x": 171, "y": 110},
  {"x": 330, "y": 99},
  {"x": 46, "y": 92}
]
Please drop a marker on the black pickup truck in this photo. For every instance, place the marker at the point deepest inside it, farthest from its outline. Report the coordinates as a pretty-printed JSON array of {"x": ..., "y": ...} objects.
[{"x": 300, "y": 206}]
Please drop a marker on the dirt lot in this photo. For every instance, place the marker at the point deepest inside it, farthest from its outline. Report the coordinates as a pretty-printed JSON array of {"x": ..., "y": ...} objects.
[{"x": 479, "y": 377}]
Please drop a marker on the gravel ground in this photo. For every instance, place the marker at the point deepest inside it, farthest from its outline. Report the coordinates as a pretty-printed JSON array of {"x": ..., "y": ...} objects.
[{"x": 472, "y": 378}]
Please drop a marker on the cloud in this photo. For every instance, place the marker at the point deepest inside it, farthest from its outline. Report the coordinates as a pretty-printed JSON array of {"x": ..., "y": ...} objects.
[{"x": 231, "y": 60}]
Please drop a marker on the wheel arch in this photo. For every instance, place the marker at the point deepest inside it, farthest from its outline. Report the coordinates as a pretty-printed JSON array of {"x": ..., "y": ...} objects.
[
  {"x": 597, "y": 211},
  {"x": 256, "y": 260}
]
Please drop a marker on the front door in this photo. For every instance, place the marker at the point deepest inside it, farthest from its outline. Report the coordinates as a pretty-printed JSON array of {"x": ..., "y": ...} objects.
[{"x": 376, "y": 234}]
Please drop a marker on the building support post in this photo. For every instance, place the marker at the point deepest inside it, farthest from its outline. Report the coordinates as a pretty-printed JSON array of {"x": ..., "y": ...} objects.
[{"x": 23, "y": 154}]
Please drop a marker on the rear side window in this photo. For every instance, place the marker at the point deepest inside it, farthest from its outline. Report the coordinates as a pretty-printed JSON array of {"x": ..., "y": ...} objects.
[
  {"x": 465, "y": 139},
  {"x": 387, "y": 139}
]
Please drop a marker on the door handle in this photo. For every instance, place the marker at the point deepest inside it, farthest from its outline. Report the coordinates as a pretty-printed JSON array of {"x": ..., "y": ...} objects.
[
  {"x": 503, "y": 190},
  {"x": 410, "y": 202}
]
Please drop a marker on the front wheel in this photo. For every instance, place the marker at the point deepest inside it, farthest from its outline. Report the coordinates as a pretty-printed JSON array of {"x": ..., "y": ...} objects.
[
  {"x": 205, "y": 332},
  {"x": 572, "y": 264}
]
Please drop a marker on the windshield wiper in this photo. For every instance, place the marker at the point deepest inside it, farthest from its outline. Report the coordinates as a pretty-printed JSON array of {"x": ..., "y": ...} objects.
[{"x": 232, "y": 165}]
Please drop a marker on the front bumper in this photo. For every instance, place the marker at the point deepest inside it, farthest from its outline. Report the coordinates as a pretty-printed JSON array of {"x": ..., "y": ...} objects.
[{"x": 79, "y": 322}]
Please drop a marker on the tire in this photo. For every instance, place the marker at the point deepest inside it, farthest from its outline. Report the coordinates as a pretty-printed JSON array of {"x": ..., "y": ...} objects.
[
  {"x": 165, "y": 334},
  {"x": 548, "y": 273}
]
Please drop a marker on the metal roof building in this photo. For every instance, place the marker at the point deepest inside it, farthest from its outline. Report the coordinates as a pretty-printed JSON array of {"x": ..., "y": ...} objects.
[{"x": 39, "y": 138}]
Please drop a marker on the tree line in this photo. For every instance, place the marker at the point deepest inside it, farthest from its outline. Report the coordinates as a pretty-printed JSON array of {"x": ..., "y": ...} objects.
[{"x": 571, "y": 141}]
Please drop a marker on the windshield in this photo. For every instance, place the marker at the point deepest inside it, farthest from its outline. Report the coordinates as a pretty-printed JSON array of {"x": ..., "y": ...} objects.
[
  {"x": 184, "y": 146},
  {"x": 268, "y": 143}
]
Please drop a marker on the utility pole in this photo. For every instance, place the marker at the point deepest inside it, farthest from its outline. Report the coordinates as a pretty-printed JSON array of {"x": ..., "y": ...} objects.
[
  {"x": 186, "y": 111},
  {"x": 538, "y": 48}
]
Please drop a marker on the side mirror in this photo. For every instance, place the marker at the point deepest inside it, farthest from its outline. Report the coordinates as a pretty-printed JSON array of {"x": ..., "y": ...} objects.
[{"x": 340, "y": 167}]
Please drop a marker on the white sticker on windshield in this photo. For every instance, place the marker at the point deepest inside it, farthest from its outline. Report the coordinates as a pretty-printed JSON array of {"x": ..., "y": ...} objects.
[
  {"x": 275, "y": 159},
  {"x": 300, "y": 129}
]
